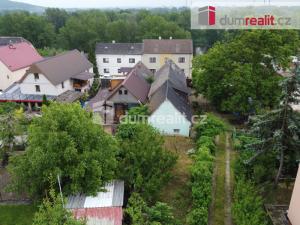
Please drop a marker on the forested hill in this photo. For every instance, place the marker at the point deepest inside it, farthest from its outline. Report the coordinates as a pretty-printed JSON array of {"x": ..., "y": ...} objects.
[{"x": 7, "y": 5}]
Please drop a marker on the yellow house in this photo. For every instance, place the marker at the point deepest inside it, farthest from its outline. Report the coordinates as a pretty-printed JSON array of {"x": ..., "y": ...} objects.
[{"x": 157, "y": 51}]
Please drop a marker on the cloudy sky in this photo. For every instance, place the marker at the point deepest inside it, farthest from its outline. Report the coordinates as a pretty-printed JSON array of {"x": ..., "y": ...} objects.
[{"x": 107, "y": 3}]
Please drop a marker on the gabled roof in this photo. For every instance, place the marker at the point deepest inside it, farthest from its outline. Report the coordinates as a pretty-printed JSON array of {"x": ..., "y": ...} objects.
[
  {"x": 171, "y": 72},
  {"x": 119, "y": 48},
  {"x": 167, "y": 92},
  {"x": 62, "y": 67},
  {"x": 173, "y": 46},
  {"x": 105, "y": 208},
  {"x": 19, "y": 56},
  {"x": 135, "y": 82},
  {"x": 113, "y": 196}
]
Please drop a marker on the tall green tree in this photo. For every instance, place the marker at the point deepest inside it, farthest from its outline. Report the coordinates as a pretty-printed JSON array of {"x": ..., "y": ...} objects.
[
  {"x": 52, "y": 212},
  {"x": 57, "y": 17},
  {"x": 278, "y": 131},
  {"x": 32, "y": 27},
  {"x": 154, "y": 26},
  {"x": 240, "y": 75},
  {"x": 141, "y": 214},
  {"x": 65, "y": 142},
  {"x": 83, "y": 30},
  {"x": 144, "y": 164}
]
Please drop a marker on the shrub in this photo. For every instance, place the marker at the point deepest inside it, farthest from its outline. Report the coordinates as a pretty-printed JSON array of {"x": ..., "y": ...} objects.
[
  {"x": 210, "y": 126},
  {"x": 248, "y": 205},
  {"x": 201, "y": 173}
]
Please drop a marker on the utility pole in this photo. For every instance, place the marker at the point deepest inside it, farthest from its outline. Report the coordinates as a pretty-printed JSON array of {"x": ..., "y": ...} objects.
[{"x": 61, "y": 195}]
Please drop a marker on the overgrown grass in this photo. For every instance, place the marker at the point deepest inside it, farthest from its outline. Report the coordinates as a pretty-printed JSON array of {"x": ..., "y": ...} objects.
[
  {"x": 17, "y": 214},
  {"x": 176, "y": 193}
]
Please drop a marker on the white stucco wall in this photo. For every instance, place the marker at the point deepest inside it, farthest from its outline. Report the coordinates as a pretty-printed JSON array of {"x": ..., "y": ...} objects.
[
  {"x": 167, "y": 118},
  {"x": 294, "y": 210},
  {"x": 113, "y": 64},
  {"x": 47, "y": 88},
  {"x": 8, "y": 77},
  {"x": 161, "y": 58}
]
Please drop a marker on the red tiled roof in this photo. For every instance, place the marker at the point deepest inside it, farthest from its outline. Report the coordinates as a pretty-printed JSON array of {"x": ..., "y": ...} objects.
[
  {"x": 113, "y": 214},
  {"x": 19, "y": 56}
]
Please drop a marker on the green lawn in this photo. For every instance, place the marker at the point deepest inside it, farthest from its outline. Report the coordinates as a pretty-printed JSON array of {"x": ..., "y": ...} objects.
[{"x": 16, "y": 214}]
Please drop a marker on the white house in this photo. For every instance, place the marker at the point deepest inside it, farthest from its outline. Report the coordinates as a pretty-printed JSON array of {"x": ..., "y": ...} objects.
[
  {"x": 15, "y": 59},
  {"x": 64, "y": 78},
  {"x": 169, "y": 107},
  {"x": 70, "y": 71},
  {"x": 115, "y": 60}
]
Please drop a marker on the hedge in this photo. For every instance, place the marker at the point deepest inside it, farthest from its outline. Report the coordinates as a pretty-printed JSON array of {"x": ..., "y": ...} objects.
[{"x": 202, "y": 169}]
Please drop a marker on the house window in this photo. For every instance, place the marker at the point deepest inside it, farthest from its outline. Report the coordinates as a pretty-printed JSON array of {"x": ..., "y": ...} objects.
[
  {"x": 152, "y": 60},
  {"x": 119, "y": 70},
  {"x": 181, "y": 59},
  {"x": 62, "y": 85},
  {"x": 125, "y": 92},
  {"x": 132, "y": 60},
  {"x": 119, "y": 60},
  {"x": 106, "y": 70},
  {"x": 153, "y": 70},
  {"x": 176, "y": 131},
  {"x": 37, "y": 88},
  {"x": 120, "y": 92},
  {"x": 105, "y": 60},
  {"x": 36, "y": 76}
]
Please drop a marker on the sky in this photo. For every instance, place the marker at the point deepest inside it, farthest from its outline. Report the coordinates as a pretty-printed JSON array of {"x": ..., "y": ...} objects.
[{"x": 107, "y": 3}]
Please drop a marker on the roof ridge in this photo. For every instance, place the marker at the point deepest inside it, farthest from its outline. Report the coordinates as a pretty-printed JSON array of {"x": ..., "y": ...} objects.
[{"x": 58, "y": 55}]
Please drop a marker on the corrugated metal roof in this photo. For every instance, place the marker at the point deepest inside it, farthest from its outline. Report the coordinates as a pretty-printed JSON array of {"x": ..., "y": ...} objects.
[
  {"x": 100, "y": 216},
  {"x": 113, "y": 197},
  {"x": 75, "y": 202}
]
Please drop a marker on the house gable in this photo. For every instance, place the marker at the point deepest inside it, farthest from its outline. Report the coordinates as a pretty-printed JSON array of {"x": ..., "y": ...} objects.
[
  {"x": 166, "y": 118},
  {"x": 117, "y": 97}
]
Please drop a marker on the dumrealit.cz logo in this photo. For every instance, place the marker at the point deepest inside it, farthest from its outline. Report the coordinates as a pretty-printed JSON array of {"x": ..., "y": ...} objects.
[
  {"x": 245, "y": 15},
  {"x": 207, "y": 15}
]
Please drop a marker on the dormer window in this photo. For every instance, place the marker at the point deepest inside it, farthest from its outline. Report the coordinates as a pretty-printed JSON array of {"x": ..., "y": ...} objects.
[{"x": 36, "y": 76}]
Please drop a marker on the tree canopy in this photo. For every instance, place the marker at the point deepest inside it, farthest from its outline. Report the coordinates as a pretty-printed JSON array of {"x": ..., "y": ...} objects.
[
  {"x": 65, "y": 142},
  {"x": 240, "y": 75},
  {"x": 144, "y": 164}
]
